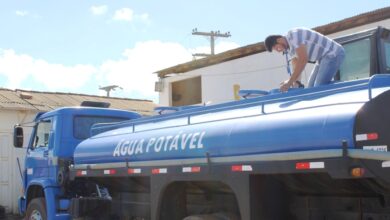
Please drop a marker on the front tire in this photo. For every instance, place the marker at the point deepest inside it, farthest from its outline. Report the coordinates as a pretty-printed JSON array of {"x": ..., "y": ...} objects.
[{"x": 36, "y": 209}]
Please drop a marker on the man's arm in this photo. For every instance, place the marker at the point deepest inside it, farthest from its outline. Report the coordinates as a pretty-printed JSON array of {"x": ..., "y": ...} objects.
[{"x": 300, "y": 63}]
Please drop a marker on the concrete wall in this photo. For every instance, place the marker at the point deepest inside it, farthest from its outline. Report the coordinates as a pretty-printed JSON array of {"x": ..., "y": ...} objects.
[
  {"x": 10, "y": 180},
  {"x": 263, "y": 71}
]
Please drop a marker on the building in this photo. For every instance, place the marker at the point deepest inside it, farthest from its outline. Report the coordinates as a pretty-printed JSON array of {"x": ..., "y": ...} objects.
[
  {"x": 20, "y": 106},
  {"x": 218, "y": 78}
]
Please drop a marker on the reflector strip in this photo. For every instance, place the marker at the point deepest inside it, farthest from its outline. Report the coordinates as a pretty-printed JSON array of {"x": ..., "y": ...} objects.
[
  {"x": 309, "y": 165},
  {"x": 367, "y": 137},
  {"x": 386, "y": 164},
  {"x": 109, "y": 172},
  {"x": 133, "y": 171},
  {"x": 191, "y": 169},
  {"x": 159, "y": 171},
  {"x": 382, "y": 148},
  {"x": 241, "y": 168},
  {"x": 81, "y": 173}
]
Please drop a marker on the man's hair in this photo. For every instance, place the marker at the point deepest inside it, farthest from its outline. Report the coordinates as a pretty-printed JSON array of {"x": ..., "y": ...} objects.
[{"x": 270, "y": 41}]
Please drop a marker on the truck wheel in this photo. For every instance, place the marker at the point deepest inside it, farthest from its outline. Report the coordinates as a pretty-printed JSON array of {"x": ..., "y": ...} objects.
[{"x": 36, "y": 210}]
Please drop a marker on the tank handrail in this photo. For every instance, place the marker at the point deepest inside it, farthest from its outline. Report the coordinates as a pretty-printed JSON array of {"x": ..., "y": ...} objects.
[
  {"x": 374, "y": 79},
  {"x": 249, "y": 103},
  {"x": 351, "y": 86}
]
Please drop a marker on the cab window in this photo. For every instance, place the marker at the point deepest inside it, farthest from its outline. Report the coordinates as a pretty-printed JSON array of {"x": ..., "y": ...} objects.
[
  {"x": 82, "y": 124},
  {"x": 357, "y": 60},
  {"x": 42, "y": 133}
]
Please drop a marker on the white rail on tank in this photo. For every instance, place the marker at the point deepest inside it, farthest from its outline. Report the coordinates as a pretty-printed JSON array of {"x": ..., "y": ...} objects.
[{"x": 250, "y": 105}]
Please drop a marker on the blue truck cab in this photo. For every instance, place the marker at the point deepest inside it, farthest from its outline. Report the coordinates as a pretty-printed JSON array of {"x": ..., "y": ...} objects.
[{"x": 50, "y": 151}]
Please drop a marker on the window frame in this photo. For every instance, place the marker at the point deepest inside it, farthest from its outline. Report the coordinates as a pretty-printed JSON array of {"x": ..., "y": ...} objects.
[
  {"x": 385, "y": 68},
  {"x": 372, "y": 53},
  {"x": 35, "y": 145}
]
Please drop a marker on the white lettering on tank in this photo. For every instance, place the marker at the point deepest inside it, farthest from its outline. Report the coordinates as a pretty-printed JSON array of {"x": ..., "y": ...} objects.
[
  {"x": 131, "y": 147},
  {"x": 150, "y": 143},
  {"x": 124, "y": 147},
  {"x": 200, "y": 142},
  {"x": 166, "y": 142},
  {"x": 174, "y": 143},
  {"x": 193, "y": 140},
  {"x": 159, "y": 143},
  {"x": 139, "y": 148},
  {"x": 130, "y": 150},
  {"x": 181, "y": 141},
  {"x": 184, "y": 140},
  {"x": 117, "y": 149}
]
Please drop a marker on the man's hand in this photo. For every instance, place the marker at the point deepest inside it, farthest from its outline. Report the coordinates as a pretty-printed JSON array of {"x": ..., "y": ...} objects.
[{"x": 284, "y": 86}]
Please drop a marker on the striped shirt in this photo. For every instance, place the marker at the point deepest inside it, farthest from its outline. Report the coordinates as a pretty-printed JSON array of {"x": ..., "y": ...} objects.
[{"x": 317, "y": 45}]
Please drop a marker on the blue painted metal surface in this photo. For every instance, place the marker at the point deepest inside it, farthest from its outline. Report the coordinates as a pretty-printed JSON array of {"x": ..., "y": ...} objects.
[
  {"x": 22, "y": 205},
  {"x": 41, "y": 163},
  {"x": 300, "y": 120}
]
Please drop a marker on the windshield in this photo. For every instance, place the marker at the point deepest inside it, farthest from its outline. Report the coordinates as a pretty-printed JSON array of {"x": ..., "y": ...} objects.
[{"x": 82, "y": 124}]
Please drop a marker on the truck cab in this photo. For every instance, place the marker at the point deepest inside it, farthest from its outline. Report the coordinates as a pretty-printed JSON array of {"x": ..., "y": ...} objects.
[
  {"x": 49, "y": 154},
  {"x": 366, "y": 53}
]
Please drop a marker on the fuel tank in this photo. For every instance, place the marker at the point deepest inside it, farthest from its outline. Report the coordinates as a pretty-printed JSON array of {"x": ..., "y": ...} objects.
[{"x": 319, "y": 118}]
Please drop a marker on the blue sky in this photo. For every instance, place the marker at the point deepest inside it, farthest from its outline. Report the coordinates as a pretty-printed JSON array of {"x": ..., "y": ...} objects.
[{"x": 77, "y": 46}]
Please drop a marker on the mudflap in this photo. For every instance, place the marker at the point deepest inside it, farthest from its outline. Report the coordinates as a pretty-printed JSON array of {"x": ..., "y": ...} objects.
[{"x": 89, "y": 207}]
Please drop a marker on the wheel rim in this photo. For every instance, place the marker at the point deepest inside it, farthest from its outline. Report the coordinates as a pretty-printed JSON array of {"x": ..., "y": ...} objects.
[{"x": 36, "y": 215}]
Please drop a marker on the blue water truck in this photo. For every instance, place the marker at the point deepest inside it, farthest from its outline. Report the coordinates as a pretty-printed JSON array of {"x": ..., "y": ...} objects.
[{"x": 307, "y": 154}]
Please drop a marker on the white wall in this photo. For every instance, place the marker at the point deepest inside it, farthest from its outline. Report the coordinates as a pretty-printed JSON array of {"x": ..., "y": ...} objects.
[
  {"x": 263, "y": 71},
  {"x": 10, "y": 180}
]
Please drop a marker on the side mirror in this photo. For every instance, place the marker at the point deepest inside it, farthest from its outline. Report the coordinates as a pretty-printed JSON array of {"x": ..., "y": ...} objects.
[{"x": 18, "y": 136}]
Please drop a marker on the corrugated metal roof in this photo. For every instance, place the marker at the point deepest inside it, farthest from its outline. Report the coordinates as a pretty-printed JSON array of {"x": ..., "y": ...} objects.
[
  {"x": 46, "y": 101},
  {"x": 9, "y": 99},
  {"x": 362, "y": 19}
]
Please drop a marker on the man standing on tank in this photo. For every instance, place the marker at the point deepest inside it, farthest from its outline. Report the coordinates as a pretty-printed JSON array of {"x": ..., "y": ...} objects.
[{"x": 304, "y": 45}]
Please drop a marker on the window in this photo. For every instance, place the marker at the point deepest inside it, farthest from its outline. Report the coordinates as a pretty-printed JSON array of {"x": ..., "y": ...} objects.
[
  {"x": 42, "y": 134},
  {"x": 357, "y": 61},
  {"x": 187, "y": 92},
  {"x": 82, "y": 124}
]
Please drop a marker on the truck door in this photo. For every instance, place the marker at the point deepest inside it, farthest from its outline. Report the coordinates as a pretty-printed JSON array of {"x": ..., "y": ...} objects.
[{"x": 38, "y": 150}]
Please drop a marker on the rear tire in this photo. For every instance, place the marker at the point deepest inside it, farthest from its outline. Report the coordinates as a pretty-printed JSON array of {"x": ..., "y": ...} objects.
[{"x": 36, "y": 209}]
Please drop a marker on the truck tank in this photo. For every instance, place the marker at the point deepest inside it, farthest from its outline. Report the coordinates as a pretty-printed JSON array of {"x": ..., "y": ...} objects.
[{"x": 306, "y": 123}]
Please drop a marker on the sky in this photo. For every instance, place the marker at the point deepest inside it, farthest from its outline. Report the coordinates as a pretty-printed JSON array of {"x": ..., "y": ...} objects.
[{"x": 79, "y": 46}]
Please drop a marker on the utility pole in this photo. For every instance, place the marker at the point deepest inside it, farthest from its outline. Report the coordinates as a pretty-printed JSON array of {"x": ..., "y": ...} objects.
[
  {"x": 212, "y": 35},
  {"x": 109, "y": 88}
]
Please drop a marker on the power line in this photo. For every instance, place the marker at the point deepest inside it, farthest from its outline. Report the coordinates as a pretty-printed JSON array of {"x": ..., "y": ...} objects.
[{"x": 212, "y": 35}]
